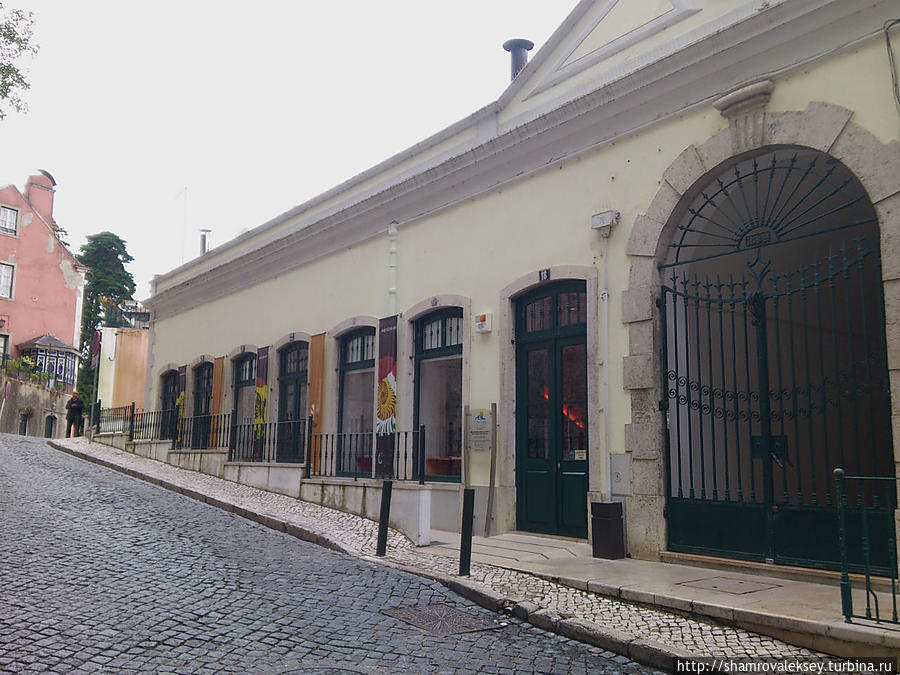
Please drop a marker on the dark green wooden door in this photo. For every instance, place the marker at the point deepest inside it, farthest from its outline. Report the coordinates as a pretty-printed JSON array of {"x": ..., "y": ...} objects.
[{"x": 551, "y": 415}]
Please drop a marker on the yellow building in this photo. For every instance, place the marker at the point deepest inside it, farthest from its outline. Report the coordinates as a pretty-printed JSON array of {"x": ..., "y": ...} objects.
[{"x": 668, "y": 254}]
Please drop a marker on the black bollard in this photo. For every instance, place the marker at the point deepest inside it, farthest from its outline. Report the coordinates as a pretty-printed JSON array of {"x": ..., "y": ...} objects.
[
  {"x": 465, "y": 536},
  {"x": 384, "y": 517}
]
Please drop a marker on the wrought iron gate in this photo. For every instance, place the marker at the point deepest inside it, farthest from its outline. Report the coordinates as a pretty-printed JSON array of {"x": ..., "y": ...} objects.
[{"x": 775, "y": 362}]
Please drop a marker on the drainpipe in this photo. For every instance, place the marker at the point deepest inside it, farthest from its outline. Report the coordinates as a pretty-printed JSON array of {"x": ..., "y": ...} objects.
[
  {"x": 392, "y": 268},
  {"x": 603, "y": 223}
]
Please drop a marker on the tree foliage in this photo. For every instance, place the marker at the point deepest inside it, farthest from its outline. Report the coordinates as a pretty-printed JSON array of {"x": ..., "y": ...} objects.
[
  {"x": 16, "y": 42},
  {"x": 107, "y": 285}
]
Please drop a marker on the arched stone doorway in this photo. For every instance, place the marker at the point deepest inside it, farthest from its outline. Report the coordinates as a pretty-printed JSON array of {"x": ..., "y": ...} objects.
[
  {"x": 775, "y": 359},
  {"x": 823, "y": 127}
]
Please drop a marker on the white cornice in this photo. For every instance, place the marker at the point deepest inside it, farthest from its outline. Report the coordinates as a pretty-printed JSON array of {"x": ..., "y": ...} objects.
[{"x": 770, "y": 43}]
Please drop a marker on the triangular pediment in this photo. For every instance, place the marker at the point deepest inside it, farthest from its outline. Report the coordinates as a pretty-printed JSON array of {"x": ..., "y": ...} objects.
[
  {"x": 617, "y": 25},
  {"x": 602, "y": 40},
  {"x": 622, "y": 23}
]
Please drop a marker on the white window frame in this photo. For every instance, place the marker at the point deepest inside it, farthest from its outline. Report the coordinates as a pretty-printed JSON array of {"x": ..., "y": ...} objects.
[
  {"x": 15, "y": 228},
  {"x": 12, "y": 276}
]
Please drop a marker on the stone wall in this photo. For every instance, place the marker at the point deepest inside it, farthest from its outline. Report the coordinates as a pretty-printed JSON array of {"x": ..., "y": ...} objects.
[{"x": 35, "y": 403}]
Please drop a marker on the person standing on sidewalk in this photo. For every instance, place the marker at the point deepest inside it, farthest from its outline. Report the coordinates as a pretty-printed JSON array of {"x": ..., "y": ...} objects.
[{"x": 74, "y": 412}]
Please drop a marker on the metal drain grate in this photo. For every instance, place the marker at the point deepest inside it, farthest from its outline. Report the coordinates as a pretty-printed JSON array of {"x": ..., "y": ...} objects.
[
  {"x": 320, "y": 670},
  {"x": 730, "y": 585},
  {"x": 441, "y": 619}
]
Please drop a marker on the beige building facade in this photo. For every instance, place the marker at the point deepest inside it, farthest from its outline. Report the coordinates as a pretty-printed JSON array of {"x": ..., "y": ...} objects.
[
  {"x": 123, "y": 366},
  {"x": 667, "y": 254}
]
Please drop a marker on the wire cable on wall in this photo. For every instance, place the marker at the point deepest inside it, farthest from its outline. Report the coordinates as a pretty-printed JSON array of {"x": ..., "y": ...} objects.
[{"x": 887, "y": 38}]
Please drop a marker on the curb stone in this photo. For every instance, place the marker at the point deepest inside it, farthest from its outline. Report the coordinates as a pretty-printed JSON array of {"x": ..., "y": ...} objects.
[
  {"x": 524, "y": 608},
  {"x": 657, "y": 654},
  {"x": 606, "y": 638},
  {"x": 477, "y": 593},
  {"x": 546, "y": 619},
  {"x": 646, "y": 652}
]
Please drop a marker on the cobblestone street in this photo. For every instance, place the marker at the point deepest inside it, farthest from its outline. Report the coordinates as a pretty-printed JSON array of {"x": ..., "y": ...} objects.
[{"x": 105, "y": 573}]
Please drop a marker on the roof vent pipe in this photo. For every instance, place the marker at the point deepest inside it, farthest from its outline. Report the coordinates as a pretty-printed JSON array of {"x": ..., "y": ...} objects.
[{"x": 518, "y": 49}]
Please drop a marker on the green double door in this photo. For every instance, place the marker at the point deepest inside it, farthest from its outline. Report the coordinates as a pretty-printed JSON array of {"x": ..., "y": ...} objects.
[{"x": 551, "y": 411}]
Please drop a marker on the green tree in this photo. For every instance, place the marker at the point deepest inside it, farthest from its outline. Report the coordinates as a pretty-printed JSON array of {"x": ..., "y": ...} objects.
[
  {"x": 16, "y": 42},
  {"x": 107, "y": 285}
]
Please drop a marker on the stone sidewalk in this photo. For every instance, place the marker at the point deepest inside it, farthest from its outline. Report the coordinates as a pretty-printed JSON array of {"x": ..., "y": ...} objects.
[{"x": 646, "y": 634}]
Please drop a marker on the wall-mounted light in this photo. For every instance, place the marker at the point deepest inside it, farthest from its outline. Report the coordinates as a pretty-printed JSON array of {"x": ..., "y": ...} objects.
[{"x": 604, "y": 222}]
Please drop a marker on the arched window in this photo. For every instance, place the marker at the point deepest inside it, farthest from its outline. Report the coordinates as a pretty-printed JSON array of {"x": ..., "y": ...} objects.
[
  {"x": 438, "y": 391},
  {"x": 245, "y": 444},
  {"x": 49, "y": 426},
  {"x": 168, "y": 398},
  {"x": 203, "y": 390},
  {"x": 293, "y": 382},
  {"x": 245, "y": 388},
  {"x": 356, "y": 423}
]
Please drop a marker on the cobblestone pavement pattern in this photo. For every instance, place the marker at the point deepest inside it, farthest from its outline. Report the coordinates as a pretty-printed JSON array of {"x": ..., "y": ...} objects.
[
  {"x": 105, "y": 573},
  {"x": 358, "y": 535}
]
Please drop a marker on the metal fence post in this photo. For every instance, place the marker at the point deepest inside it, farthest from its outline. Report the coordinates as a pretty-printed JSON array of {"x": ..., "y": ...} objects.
[
  {"x": 384, "y": 517},
  {"x": 421, "y": 454},
  {"x": 465, "y": 535},
  {"x": 232, "y": 436},
  {"x": 308, "y": 449},
  {"x": 846, "y": 595},
  {"x": 131, "y": 423}
]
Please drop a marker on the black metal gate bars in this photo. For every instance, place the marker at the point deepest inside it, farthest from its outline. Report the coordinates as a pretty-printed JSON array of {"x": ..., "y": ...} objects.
[{"x": 775, "y": 363}]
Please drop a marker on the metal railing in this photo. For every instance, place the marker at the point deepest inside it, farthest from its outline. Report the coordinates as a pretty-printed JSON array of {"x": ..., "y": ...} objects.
[
  {"x": 399, "y": 456},
  {"x": 866, "y": 504},
  {"x": 155, "y": 425},
  {"x": 202, "y": 432},
  {"x": 349, "y": 454},
  {"x": 365, "y": 455},
  {"x": 282, "y": 442},
  {"x": 115, "y": 420}
]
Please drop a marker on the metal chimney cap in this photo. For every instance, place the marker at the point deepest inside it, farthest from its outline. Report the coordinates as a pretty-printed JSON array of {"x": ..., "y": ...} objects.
[{"x": 518, "y": 43}]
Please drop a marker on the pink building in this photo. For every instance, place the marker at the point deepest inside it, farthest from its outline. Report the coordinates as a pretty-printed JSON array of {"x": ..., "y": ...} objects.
[{"x": 41, "y": 282}]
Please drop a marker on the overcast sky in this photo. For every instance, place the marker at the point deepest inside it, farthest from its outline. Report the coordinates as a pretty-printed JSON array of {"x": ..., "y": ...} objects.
[{"x": 158, "y": 119}]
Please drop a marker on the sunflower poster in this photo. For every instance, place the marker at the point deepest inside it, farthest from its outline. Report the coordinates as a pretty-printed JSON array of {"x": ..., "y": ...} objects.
[{"x": 386, "y": 408}]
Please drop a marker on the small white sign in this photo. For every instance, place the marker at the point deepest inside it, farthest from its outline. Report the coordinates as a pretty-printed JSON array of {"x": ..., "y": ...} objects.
[
  {"x": 483, "y": 323},
  {"x": 479, "y": 429}
]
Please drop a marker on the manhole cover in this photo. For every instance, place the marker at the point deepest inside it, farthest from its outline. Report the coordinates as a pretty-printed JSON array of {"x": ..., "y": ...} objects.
[
  {"x": 441, "y": 619},
  {"x": 730, "y": 585}
]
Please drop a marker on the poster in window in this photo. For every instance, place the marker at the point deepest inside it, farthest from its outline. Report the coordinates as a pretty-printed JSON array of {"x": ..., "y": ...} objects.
[
  {"x": 262, "y": 374},
  {"x": 386, "y": 408}
]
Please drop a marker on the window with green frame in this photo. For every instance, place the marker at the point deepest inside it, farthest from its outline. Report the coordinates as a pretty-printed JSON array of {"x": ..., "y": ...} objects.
[
  {"x": 438, "y": 391},
  {"x": 245, "y": 389},
  {"x": 293, "y": 368},
  {"x": 357, "y": 382}
]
